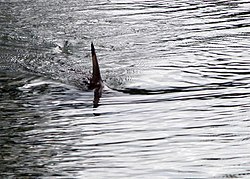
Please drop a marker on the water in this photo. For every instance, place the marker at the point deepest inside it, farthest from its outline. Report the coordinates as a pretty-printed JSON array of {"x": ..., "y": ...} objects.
[{"x": 177, "y": 103}]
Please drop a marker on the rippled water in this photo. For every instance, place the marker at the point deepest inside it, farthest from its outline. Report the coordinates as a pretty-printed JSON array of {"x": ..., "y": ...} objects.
[{"x": 178, "y": 98}]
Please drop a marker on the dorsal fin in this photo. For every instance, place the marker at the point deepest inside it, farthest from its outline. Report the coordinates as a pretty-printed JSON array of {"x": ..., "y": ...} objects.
[
  {"x": 96, "y": 75},
  {"x": 96, "y": 80}
]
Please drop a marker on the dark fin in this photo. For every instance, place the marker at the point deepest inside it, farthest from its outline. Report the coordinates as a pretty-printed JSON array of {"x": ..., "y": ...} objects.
[
  {"x": 96, "y": 80},
  {"x": 96, "y": 75}
]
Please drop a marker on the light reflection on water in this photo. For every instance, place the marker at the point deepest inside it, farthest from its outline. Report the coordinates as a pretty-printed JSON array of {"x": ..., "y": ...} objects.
[{"x": 178, "y": 99}]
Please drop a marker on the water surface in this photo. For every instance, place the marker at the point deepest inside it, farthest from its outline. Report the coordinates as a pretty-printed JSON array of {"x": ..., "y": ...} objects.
[{"x": 177, "y": 103}]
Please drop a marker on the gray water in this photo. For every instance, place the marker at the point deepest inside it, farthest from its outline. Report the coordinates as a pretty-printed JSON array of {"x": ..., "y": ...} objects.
[{"x": 177, "y": 102}]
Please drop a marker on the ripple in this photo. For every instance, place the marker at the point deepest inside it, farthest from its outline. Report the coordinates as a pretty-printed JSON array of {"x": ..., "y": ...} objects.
[{"x": 177, "y": 97}]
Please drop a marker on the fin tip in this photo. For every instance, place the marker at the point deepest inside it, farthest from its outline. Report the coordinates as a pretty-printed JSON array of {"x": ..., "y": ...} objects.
[{"x": 92, "y": 46}]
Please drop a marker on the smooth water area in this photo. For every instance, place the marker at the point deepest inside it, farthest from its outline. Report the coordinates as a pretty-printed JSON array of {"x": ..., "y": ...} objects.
[{"x": 177, "y": 102}]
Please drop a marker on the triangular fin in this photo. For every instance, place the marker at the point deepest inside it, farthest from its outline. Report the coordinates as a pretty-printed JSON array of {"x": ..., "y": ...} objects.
[
  {"x": 96, "y": 75},
  {"x": 96, "y": 80}
]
